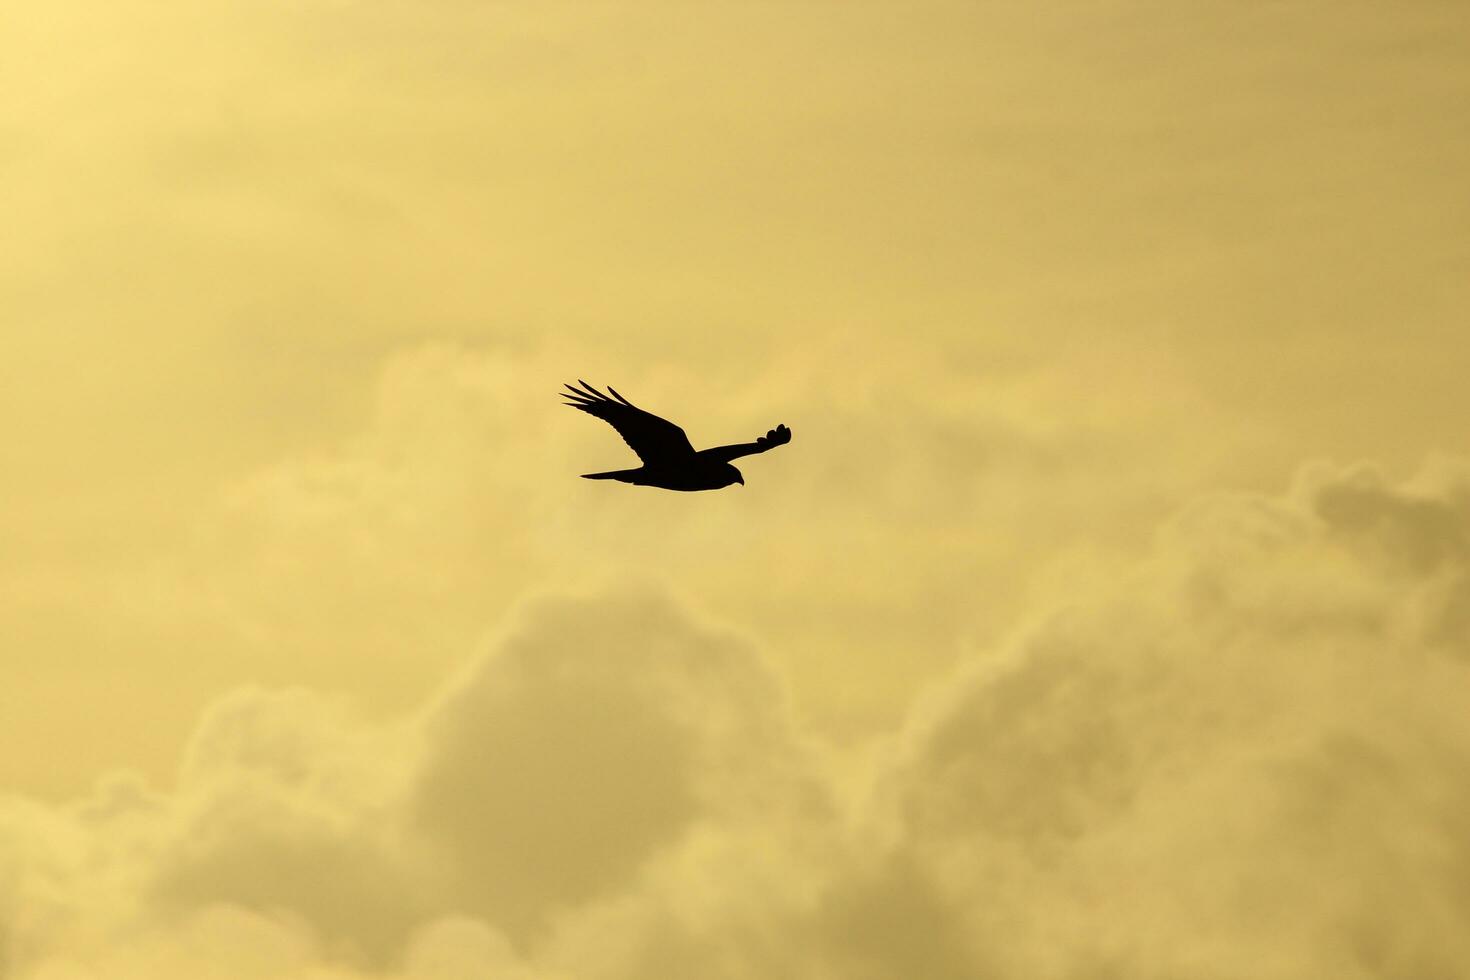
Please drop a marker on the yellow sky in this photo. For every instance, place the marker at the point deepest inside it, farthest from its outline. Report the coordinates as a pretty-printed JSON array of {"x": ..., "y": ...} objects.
[{"x": 1119, "y": 325}]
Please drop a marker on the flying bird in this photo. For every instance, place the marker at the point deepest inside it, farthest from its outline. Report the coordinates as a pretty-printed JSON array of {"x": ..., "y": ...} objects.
[{"x": 669, "y": 461}]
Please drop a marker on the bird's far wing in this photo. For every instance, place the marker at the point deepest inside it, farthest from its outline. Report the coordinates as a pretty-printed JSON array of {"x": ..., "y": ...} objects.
[
  {"x": 779, "y": 436},
  {"x": 655, "y": 440}
]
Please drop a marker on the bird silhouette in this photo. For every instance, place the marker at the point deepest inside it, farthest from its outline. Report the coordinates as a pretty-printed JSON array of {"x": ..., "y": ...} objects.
[{"x": 669, "y": 461}]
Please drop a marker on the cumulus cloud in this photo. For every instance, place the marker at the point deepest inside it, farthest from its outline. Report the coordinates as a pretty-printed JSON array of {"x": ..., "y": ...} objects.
[
  {"x": 595, "y": 739},
  {"x": 1239, "y": 756},
  {"x": 1241, "y": 759}
]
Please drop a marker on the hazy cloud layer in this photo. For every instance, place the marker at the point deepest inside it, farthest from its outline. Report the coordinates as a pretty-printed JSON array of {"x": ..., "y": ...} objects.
[
  {"x": 369, "y": 566},
  {"x": 1019, "y": 276},
  {"x": 1242, "y": 756}
]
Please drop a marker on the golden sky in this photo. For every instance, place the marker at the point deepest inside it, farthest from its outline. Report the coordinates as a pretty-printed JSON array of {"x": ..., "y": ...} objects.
[{"x": 1108, "y": 616}]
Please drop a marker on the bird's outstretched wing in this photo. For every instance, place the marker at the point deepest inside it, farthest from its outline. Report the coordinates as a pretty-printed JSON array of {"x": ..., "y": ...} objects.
[
  {"x": 779, "y": 436},
  {"x": 656, "y": 441}
]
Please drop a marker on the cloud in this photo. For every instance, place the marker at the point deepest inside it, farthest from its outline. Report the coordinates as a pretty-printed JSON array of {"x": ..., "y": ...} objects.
[
  {"x": 235, "y": 943},
  {"x": 1239, "y": 755},
  {"x": 285, "y": 805},
  {"x": 853, "y": 549},
  {"x": 371, "y": 565},
  {"x": 1240, "y": 759},
  {"x": 596, "y": 738}
]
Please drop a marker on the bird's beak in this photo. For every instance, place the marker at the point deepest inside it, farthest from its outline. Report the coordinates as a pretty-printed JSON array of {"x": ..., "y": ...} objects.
[{"x": 740, "y": 480}]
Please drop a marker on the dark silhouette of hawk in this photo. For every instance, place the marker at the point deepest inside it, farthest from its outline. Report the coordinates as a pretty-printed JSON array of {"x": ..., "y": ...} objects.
[{"x": 669, "y": 461}]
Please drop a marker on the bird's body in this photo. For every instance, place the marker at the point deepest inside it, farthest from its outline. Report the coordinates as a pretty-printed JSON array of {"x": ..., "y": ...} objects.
[
  {"x": 669, "y": 460},
  {"x": 700, "y": 475}
]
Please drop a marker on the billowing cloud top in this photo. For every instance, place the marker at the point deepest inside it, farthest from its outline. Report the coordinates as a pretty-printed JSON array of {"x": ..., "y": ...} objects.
[{"x": 1242, "y": 756}]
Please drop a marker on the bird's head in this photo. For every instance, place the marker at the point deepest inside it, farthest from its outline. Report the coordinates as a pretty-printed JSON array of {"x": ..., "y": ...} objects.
[{"x": 730, "y": 474}]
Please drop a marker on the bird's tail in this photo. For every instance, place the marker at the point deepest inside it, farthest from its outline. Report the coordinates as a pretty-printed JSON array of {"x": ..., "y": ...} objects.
[{"x": 626, "y": 476}]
